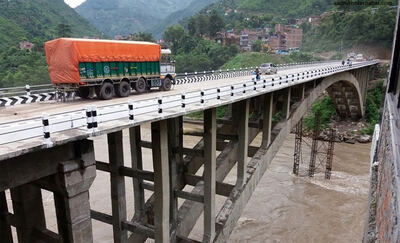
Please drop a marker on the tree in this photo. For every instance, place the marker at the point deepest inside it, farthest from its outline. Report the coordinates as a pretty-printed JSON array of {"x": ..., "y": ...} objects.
[
  {"x": 142, "y": 36},
  {"x": 63, "y": 30},
  {"x": 202, "y": 24},
  {"x": 192, "y": 27},
  {"x": 174, "y": 35},
  {"x": 216, "y": 23},
  {"x": 256, "y": 46}
]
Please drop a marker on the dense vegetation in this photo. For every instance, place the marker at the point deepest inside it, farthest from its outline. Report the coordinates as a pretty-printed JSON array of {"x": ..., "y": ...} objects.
[
  {"x": 325, "y": 108},
  {"x": 39, "y": 19},
  {"x": 193, "y": 53},
  {"x": 347, "y": 29},
  {"x": 372, "y": 107},
  {"x": 122, "y": 17},
  {"x": 34, "y": 21}
]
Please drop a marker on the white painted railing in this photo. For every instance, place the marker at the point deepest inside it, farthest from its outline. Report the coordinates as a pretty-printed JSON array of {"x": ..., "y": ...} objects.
[{"x": 89, "y": 118}]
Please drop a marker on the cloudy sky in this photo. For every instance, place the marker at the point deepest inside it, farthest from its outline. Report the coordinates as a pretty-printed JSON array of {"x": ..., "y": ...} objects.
[{"x": 73, "y": 3}]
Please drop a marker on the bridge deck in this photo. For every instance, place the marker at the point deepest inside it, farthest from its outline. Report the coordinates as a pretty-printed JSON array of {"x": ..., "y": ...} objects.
[
  {"x": 36, "y": 109},
  {"x": 29, "y": 122}
]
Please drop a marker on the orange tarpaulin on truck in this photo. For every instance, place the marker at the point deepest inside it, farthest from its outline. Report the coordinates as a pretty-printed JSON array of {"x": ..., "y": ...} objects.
[{"x": 64, "y": 55}]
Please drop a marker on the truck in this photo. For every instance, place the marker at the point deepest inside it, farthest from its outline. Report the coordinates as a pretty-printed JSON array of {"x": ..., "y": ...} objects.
[{"x": 108, "y": 68}]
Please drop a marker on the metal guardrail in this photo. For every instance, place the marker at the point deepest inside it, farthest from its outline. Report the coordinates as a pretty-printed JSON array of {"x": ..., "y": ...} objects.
[{"x": 88, "y": 120}]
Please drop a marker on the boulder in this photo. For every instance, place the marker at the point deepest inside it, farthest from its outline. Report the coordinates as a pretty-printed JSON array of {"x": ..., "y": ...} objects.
[
  {"x": 364, "y": 139},
  {"x": 351, "y": 141}
]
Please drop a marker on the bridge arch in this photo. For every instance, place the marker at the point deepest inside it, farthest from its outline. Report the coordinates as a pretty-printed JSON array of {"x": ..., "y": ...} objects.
[{"x": 346, "y": 94}]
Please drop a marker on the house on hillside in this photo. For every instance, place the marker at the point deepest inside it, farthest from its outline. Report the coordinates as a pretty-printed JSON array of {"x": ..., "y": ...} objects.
[
  {"x": 286, "y": 37},
  {"x": 26, "y": 45}
]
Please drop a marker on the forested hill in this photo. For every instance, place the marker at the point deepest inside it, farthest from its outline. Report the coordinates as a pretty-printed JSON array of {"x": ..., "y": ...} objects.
[
  {"x": 278, "y": 8},
  {"x": 123, "y": 17},
  {"x": 35, "y": 21},
  {"x": 39, "y": 19}
]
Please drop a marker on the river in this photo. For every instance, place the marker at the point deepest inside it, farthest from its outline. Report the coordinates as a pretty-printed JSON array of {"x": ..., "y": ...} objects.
[{"x": 286, "y": 208}]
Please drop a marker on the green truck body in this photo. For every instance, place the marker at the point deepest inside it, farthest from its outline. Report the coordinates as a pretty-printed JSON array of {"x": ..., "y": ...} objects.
[{"x": 101, "y": 70}]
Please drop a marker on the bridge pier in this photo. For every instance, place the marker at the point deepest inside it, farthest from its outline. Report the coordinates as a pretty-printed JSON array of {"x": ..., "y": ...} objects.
[
  {"x": 28, "y": 212},
  {"x": 68, "y": 172}
]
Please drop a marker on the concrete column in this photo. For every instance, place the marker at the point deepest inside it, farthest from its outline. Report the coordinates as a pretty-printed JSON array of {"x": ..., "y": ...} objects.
[
  {"x": 159, "y": 138},
  {"x": 137, "y": 163},
  {"x": 72, "y": 202},
  {"x": 241, "y": 118},
  {"x": 210, "y": 144},
  {"x": 118, "y": 200},
  {"x": 303, "y": 91},
  {"x": 267, "y": 119},
  {"x": 5, "y": 229},
  {"x": 286, "y": 103},
  {"x": 29, "y": 212},
  {"x": 175, "y": 140}
]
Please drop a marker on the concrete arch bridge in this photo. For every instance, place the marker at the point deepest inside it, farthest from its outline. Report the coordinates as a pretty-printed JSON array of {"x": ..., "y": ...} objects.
[{"x": 56, "y": 152}]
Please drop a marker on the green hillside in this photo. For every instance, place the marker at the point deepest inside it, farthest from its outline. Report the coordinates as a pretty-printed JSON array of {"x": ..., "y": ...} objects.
[
  {"x": 123, "y": 17},
  {"x": 344, "y": 30},
  {"x": 177, "y": 16},
  {"x": 40, "y": 18},
  {"x": 34, "y": 21}
]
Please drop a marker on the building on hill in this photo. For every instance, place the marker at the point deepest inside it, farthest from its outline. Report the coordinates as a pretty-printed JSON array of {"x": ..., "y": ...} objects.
[
  {"x": 247, "y": 37},
  {"x": 228, "y": 38},
  {"x": 26, "y": 45},
  {"x": 286, "y": 37},
  {"x": 314, "y": 20}
]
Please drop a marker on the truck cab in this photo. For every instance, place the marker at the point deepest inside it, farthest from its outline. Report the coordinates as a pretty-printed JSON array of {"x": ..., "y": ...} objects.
[{"x": 167, "y": 65}]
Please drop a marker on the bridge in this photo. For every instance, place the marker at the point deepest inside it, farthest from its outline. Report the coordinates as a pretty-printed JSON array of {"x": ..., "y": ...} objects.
[{"x": 55, "y": 151}]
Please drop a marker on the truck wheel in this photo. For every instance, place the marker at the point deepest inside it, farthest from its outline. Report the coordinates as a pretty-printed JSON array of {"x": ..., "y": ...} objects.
[
  {"x": 83, "y": 92},
  {"x": 123, "y": 89},
  {"x": 140, "y": 86},
  {"x": 106, "y": 91},
  {"x": 97, "y": 90},
  {"x": 166, "y": 86}
]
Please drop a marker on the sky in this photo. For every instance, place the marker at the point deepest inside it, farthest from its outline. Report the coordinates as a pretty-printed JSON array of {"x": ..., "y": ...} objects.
[{"x": 74, "y": 3}]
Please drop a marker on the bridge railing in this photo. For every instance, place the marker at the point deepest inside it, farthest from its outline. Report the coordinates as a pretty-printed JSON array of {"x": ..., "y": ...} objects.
[
  {"x": 49, "y": 88},
  {"x": 88, "y": 120}
]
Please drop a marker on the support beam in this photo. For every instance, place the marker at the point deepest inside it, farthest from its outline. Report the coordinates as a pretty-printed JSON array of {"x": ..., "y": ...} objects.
[
  {"x": 241, "y": 118},
  {"x": 267, "y": 118},
  {"x": 221, "y": 188},
  {"x": 118, "y": 200},
  {"x": 190, "y": 196},
  {"x": 137, "y": 164},
  {"x": 286, "y": 103},
  {"x": 210, "y": 144},
  {"x": 175, "y": 144},
  {"x": 159, "y": 138},
  {"x": 71, "y": 198},
  {"x": 5, "y": 228},
  {"x": 29, "y": 212}
]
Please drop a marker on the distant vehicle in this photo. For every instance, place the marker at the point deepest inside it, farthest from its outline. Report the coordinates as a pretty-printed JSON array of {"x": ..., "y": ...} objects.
[
  {"x": 269, "y": 68},
  {"x": 294, "y": 49},
  {"x": 359, "y": 57},
  {"x": 281, "y": 52},
  {"x": 107, "y": 67},
  {"x": 351, "y": 56}
]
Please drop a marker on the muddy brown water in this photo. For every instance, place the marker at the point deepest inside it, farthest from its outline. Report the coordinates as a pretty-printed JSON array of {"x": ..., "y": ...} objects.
[{"x": 283, "y": 207}]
